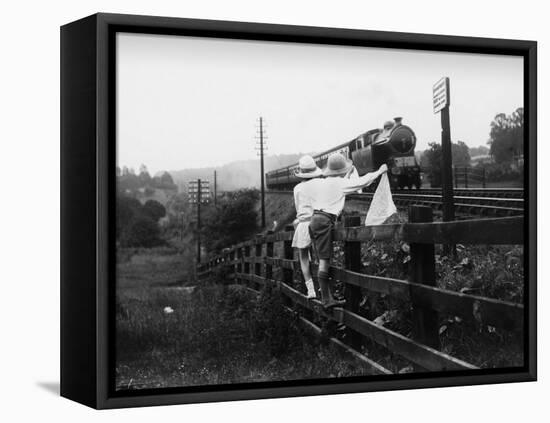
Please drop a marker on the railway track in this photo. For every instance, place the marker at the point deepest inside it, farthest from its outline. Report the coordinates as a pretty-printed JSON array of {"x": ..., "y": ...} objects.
[
  {"x": 468, "y": 192},
  {"x": 469, "y": 201},
  {"x": 474, "y": 205}
]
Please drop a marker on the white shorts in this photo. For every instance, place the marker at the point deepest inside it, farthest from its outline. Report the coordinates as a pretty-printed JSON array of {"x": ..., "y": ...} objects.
[{"x": 301, "y": 236}]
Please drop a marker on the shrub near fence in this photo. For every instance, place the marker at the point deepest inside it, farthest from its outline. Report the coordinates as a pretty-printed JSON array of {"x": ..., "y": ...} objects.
[{"x": 261, "y": 268}]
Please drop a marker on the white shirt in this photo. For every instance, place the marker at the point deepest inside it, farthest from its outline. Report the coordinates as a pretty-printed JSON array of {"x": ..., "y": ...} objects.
[
  {"x": 329, "y": 194},
  {"x": 303, "y": 199}
]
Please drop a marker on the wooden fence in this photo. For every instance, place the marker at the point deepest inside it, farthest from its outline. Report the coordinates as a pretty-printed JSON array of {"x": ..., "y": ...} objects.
[
  {"x": 254, "y": 264},
  {"x": 467, "y": 176}
]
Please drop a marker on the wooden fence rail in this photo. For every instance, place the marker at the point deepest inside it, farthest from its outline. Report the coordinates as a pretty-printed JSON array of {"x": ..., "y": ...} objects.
[
  {"x": 255, "y": 264},
  {"x": 503, "y": 230}
]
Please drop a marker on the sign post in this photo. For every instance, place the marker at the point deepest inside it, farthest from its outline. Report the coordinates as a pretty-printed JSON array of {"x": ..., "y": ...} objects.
[
  {"x": 199, "y": 193},
  {"x": 441, "y": 103}
]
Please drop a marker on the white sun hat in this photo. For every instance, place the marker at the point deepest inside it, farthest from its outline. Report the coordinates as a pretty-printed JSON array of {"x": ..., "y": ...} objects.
[
  {"x": 337, "y": 165},
  {"x": 308, "y": 168}
]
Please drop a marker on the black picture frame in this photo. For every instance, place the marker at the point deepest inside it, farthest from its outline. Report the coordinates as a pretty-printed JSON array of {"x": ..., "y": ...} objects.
[{"x": 88, "y": 152}]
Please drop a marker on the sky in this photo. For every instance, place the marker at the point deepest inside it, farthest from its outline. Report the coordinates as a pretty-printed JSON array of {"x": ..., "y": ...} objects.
[{"x": 188, "y": 102}]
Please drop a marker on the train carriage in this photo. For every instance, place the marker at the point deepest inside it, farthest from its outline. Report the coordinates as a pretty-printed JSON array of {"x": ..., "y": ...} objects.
[{"x": 393, "y": 145}]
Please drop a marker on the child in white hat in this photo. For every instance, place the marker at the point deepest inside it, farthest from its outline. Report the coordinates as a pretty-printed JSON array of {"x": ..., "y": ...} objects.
[
  {"x": 329, "y": 196},
  {"x": 303, "y": 199}
]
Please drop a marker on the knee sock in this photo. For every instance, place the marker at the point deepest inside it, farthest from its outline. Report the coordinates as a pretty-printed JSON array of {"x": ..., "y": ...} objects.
[
  {"x": 324, "y": 284},
  {"x": 310, "y": 288}
]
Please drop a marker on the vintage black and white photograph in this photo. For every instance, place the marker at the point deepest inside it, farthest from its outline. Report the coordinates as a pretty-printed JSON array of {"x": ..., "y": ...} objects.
[{"x": 289, "y": 211}]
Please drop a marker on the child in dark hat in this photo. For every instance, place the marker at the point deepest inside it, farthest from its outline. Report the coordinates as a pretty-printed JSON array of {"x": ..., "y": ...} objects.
[{"x": 329, "y": 196}]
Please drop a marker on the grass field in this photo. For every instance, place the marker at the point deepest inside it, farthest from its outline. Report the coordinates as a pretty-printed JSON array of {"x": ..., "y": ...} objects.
[{"x": 210, "y": 334}]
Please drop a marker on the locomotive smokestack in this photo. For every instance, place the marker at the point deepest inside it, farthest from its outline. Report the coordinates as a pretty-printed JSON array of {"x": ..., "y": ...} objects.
[{"x": 397, "y": 120}]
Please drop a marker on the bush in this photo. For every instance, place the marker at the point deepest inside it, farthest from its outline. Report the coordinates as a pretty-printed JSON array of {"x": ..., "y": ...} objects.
[
  {"x": 500, "y": 172},
  {"x": 142, "y": 231},
  {"x": 233, "y": 220},
  {"x": 136, "y": 225},
  {"x": 432, "y": 159},
  {"x": 506, "y": 136},
  {"x": 273, "y": 325},
  {"x": 126, "y": 209},
  {"x": 154, "y": 210}
]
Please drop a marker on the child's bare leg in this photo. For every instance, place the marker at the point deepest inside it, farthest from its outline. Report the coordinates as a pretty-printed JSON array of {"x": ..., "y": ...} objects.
[{"x": 304, "y": 264}]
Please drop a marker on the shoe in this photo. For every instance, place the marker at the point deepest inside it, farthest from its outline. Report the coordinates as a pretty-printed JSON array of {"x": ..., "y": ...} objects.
[
  {"x": 310, "y": 290},
  {"x": 334, "y": 303}
]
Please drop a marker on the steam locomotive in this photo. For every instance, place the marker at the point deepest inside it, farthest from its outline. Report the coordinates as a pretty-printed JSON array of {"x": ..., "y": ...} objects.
[{"x": 393, "y": 145}]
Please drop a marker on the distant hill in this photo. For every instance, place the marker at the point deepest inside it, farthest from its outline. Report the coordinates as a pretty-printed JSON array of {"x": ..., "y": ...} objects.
[{"x": 234, "y": 175}]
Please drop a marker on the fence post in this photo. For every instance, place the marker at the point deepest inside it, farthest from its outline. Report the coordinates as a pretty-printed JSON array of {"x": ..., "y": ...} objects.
[
  {"x": 269, "y": 253},
  {"x": 352, "y": 293},
  {"x": 425, "y": 320},
  {"x": 225, "y": 259},
  {"x": 455, "y": 171},
  {"x": 465, "y": 177},
  {"x": 288, "y": 253},
  {"x": 232, "y": 267},
  {"x": 246, "y": 264},
  {"x": 258, "y": 254},
  {"x": 484, "y": 181},
  {"x": 239, "y": 264}
]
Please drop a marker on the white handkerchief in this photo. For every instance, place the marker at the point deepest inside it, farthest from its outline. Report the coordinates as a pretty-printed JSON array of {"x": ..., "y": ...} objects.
[{"x": 382, "y": 205}]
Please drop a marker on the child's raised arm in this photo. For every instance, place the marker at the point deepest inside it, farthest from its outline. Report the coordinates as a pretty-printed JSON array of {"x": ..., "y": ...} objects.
[{"x": 352, "y": 185}]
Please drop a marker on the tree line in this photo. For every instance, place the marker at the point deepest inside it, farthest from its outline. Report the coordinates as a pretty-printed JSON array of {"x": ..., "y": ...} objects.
[
  {"x": 137, "y": 224},
  {"x": 129, "y": 180},
  {"x": 232, "y": 219},
  {"x": 505, "y": 149}
]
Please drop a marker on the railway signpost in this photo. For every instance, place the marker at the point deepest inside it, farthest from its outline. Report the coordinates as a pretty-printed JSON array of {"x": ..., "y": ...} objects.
[
  {"x": 441, "y": 94},
  {"x": 441, "y": 104},
  {"x": 199, "y": 193}
]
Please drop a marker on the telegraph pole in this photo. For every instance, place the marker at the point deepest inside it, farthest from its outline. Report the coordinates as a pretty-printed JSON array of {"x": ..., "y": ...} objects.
[
  {"x": 215, "y": 188},
  {"x": 197, "y": 196},
  {"x": 182, "y": 226},
  {"x": 261, "y": 147},
  {"x": 199, "y": 221}
]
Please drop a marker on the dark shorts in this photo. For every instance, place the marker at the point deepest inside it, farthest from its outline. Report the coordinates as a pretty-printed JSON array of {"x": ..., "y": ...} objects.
[{"x": 320, "y": 230}]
